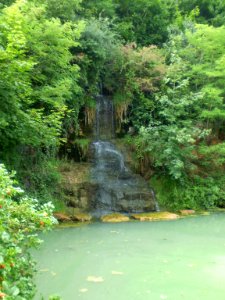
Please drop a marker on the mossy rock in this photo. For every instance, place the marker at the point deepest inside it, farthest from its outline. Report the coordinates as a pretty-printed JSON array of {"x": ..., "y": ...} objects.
[
  {"x": 71, "y": 224},
  {"x": 114, "y": 218},
  {"x": 81, "y": 217},
  {"x": 187, "y": 212},
  {"x": 155, "y": 216},
  {"x": 204, "y": 213},
  {"x": 61, "y": 217}
]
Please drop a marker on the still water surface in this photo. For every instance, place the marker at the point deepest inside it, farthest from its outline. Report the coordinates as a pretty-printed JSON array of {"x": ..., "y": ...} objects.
[{"x": 182, "y": 259}]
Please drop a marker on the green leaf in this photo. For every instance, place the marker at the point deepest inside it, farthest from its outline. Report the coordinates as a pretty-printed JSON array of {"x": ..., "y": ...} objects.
[{"x": 15, "y": 291}]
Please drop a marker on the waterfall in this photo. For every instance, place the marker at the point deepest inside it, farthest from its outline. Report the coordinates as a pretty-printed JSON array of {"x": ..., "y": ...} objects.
[
  {"x": 104, "y": 121},
  {"x": 117, "y": 188}
]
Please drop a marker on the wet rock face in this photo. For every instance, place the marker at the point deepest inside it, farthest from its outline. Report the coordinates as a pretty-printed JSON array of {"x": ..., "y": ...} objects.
[
  {"x": 117, "y": 189},
  {"x": 76, "y": 186},
  {"x": 105, "y": 184}
]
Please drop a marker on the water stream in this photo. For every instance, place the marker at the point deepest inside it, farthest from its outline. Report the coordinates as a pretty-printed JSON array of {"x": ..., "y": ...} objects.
[
  {"x": 172, "y": 260},
  {"x": 117, "y": 188}
]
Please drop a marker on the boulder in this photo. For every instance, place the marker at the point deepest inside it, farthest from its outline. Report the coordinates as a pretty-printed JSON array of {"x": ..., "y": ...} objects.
[
  {"x": 186, "y": 212},
  {"x": 155, "y": 216},
  {"x": 114, "y": 218},
  {"x": 61, "y": 217},
  {"x": 81, "y": 217}
]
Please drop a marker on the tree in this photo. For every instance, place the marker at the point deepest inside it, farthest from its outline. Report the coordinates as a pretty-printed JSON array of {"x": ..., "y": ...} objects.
[
  {"x": 39, "y": 91},
  {"x": 210, "y": 12},
  {"x": 37, "y": 77},
  {"x": 184, "y": 141},
  {"x": 144, "y": 22},
  {"x": 204, "y": 52},
  {"x": 132, "y": 76}
]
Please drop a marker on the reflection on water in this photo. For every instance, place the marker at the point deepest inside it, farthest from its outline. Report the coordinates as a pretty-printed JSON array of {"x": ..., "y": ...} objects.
[{"x": 183, "y": 259}]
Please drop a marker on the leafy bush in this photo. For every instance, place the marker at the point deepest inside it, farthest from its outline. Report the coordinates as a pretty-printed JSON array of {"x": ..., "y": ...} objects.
[
  {"x": 21, "y": 218},
  {"x": 200, "y": 193},
  {"x": 183, "y": 140}
]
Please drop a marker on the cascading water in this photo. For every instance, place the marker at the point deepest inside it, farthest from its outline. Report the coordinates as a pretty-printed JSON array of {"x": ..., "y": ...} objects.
[
  {"x": 117, "y": 188},
  {"x": 104, "y": 121}
]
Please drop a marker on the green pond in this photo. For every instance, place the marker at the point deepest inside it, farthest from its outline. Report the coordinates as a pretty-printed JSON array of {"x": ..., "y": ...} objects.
[{"x": 181, "y": 259}]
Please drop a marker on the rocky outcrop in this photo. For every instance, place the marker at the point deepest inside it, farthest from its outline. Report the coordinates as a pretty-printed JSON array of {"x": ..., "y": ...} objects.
[
  {"x": 62, "y": 217},
  {"x": 156, "y": 216},
  {"x": 117, "y": 188},
  {"x": 75, "y": 185},
  {"x": 106, "y": 184},
  {"x": 114, "y": 218},
  {"x": 81, "y": 217},
  {"x": 187, "y": 212}
]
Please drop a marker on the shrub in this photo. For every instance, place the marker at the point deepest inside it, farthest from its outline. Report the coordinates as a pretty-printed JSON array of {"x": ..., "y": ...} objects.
[{"x": 21, "y": 218}]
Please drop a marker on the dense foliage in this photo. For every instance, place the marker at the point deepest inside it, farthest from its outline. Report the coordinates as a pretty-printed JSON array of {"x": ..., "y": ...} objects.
[
  {"x": 37, "y": 78},
  {"x": 21, "y": 218},
  {"x": 184, "y": 140},
  {"x": 38, "y": 85}
]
